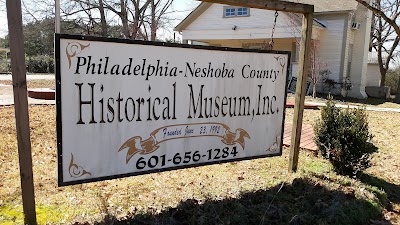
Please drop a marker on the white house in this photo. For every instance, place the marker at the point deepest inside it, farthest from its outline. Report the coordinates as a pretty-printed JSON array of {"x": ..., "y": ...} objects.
[{"x": 341, "y": 33}]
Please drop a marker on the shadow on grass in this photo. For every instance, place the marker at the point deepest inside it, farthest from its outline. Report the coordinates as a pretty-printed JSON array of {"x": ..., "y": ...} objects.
[
  {"x": 302, "y": 202},
  {"x": 392, "y": 190},
  {"x": 368, "y": 101}
]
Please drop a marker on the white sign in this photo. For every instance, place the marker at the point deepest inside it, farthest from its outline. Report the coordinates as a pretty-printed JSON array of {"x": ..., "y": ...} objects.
[{"x": 126, "y": 108}]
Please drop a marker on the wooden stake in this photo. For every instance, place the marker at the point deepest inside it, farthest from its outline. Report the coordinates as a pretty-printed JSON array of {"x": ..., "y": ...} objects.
[
  {"x": 57, "y": 16},
  {"x": 301, "y": 87},
  {"x": 18, "y": 70}
]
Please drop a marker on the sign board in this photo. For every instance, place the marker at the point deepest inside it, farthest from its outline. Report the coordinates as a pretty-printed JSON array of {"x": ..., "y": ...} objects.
[{"x": 129, "y": 107}]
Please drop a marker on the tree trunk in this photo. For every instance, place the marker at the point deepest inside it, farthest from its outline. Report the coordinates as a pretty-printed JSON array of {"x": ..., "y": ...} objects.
[
  {"x": 104, "y": 31},
  {"x": 397, "y": 99},
  {"x": 381, "y": 64},
  {"x": 153, "y": 25},
  {"x": 135, "y": 24},
  {"x": 124, "y": 20},
  {"x": 139, "y": 19},
  {"x": 383, "y": 72},
  {"x": 386, "y": 17}
]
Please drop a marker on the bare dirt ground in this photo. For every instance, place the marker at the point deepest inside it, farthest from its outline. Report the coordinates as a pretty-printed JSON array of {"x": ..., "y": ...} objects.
[{"x": 34, "y": 81}]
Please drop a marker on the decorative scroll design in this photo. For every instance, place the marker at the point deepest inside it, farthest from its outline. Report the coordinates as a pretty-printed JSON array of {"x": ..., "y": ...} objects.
[
  {"x": 138, "y": 145},
  {"x": 282, "y": 62},
  {"x": 76, "y": 171},
  {"x": 275, "y": 146},
  {"x": 73, "y": 49}
]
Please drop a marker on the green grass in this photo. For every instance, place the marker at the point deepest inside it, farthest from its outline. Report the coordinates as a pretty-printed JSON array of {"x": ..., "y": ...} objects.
[
  {"x": 248, "y": 192},
  {"x": 47, "y": 214}
]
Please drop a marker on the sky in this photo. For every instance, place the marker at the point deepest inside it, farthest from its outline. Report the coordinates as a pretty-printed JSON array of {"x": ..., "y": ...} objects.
[
  {"x": 182, "y": 6},
  {"x": 3, "y": 23}
]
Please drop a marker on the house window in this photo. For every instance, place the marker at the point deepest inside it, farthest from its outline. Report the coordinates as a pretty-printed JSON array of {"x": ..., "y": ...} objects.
[
  {"x": 242, "y": 11},
  {"x": 231, "y": 11}
]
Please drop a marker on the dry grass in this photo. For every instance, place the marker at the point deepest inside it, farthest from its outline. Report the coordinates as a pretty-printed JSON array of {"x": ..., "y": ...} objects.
[
  {"x": 42, "y": 83},
  {"x": 217, "y": 194},
  {"x": 386, "y": 130}
]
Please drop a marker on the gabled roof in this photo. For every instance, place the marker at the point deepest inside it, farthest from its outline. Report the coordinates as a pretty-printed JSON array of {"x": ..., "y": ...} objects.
[
  {"x": 320, "y": 6},
  {"x": 193, "y": 16}
]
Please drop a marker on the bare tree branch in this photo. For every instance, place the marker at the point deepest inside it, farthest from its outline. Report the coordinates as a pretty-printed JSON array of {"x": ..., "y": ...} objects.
[{"x": 381, "y": 13}]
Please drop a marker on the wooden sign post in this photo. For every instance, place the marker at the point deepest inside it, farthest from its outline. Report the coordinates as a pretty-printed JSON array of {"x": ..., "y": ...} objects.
[
  {"x": 18, "y": 70},
  {"x": 304, "y": 60}
]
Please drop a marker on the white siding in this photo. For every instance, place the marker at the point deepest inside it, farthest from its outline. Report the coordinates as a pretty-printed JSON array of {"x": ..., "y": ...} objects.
[
  {"x": 348, "y": 48},
  {"x": 332, "y": 44},
  {"x": 373, "y": 75},
  {"x": 212, "y": 25},
  {"x": 340, "y": 45},
  {"x": 280, "y": 44},
  {"x": 352, "y": 36}
]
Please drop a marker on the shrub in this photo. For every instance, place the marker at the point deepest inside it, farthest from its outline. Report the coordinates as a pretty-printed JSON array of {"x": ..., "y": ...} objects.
[
  {"x": 342, "y": 137},
  {"x": 40, "y": 64},
  {"x": 392, "y": 80},
  {"x": 4, "y": 67}
]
